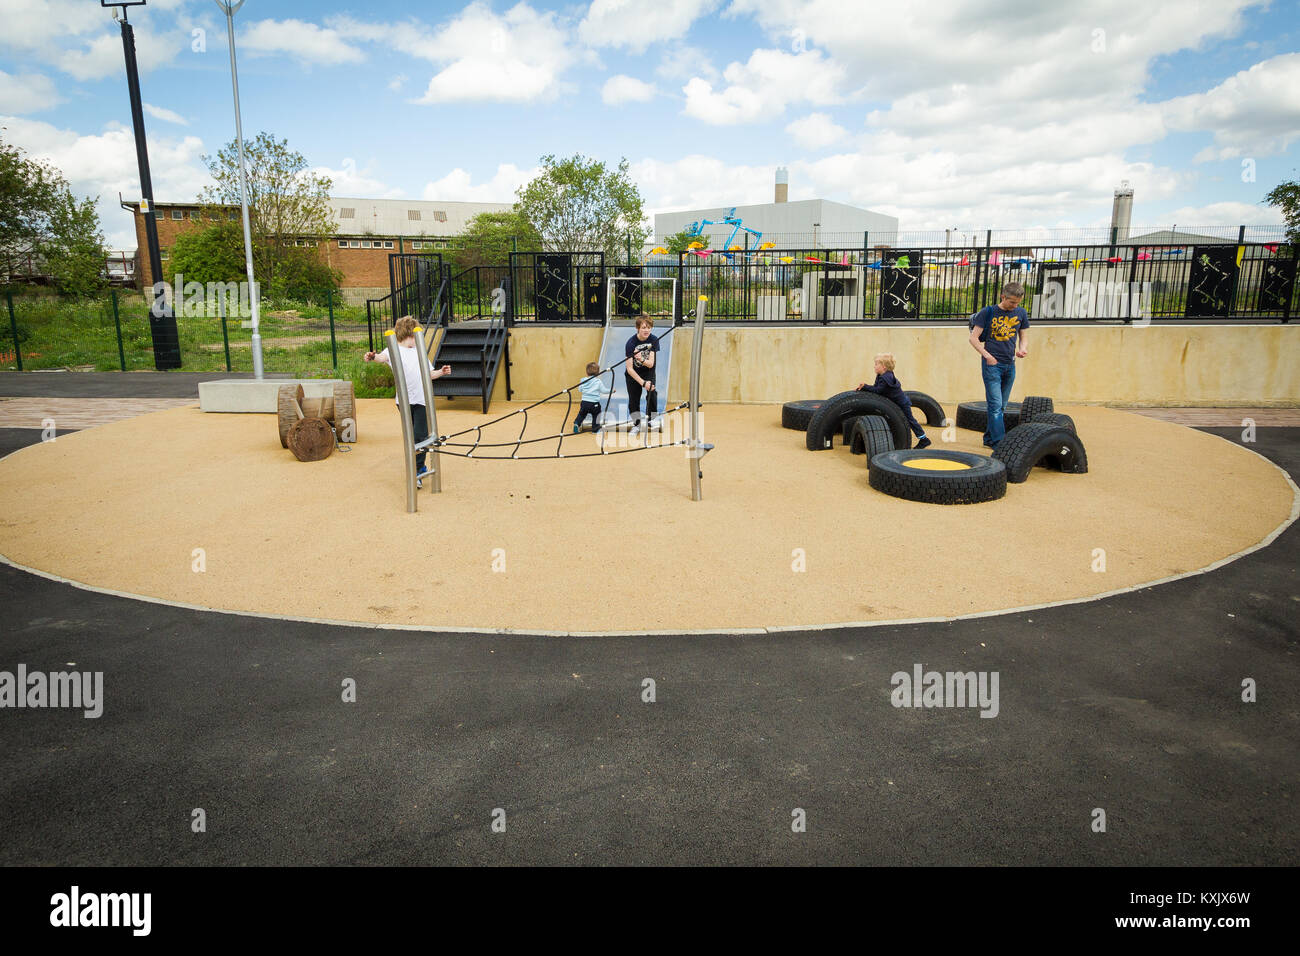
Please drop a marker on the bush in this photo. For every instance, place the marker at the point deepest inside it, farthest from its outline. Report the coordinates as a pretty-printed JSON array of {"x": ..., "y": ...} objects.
[{"x": 376, "y": 381}]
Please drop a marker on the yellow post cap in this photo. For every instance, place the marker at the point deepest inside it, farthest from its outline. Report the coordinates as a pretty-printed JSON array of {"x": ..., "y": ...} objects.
[
  {"x": 704, "y": 298},
  {"x": 389, "y": 332}
]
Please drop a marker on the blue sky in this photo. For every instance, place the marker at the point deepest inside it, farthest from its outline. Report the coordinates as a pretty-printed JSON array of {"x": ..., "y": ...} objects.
[{"x": 1004, "y": 114}]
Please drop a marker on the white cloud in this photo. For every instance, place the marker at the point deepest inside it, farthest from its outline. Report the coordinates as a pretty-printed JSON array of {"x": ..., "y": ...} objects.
[
  {"x": 626, "y": 89},
  {"x": 103, "y": 57},
  {"x": 1254, "y": 113},
  {"x": 26, "y": 93},
  {"x": 350, "y": 181},
  {"x": 517, "y": 57},
  {"x": 635, "y": 24},
  {"x": 816, "y": 131},
  {"x": 1226, "y": 214},
  {"x": 458, "y": 186},
  {"x": 687, "y": 61},
  {"x": 166, "y": 115},
  {"x": 305, "y": 42},
  {"x": 761, "y": 87},
  {"x": 35, "y": 24},
  {"x": 104, "y": 164}
]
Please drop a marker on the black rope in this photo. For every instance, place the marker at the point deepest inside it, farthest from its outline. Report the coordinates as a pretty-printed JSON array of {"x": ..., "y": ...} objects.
[
  {"x": 563, "y": 391},
  {"x": 588, "y": 454},
  {"x": 442, "y": 441}
]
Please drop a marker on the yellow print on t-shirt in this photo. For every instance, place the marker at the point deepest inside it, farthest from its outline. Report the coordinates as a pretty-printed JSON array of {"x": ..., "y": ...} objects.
[{"x": 1004, "y": 327}]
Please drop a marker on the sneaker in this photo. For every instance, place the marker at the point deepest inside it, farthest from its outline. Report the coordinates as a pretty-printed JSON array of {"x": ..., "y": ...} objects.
[
  {"x": 656, "y": 424},
  {"x": 419, "y": 482},
  {"x": 575, "y": 429},
  {"x": 924, "y": 442}
]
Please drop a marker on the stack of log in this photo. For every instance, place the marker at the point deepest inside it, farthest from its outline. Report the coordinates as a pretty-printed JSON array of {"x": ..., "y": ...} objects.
[{"x": 309, "y": 426}]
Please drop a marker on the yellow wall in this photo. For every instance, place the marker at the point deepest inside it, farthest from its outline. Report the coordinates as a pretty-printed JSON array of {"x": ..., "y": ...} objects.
[{"x": 1156, "y": 365}]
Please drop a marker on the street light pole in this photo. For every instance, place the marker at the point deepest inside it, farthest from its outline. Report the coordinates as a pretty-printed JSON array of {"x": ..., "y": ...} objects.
[
  {"x": 162, "y": 320},
  {"x": 230, "y": 9}
]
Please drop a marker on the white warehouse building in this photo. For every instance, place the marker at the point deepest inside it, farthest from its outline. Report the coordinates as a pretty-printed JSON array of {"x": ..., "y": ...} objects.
[{"x": 811, "y": 223}]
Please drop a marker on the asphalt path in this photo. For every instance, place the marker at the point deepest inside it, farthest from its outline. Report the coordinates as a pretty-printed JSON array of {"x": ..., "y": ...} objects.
[{"x": 1131, "y": 705}]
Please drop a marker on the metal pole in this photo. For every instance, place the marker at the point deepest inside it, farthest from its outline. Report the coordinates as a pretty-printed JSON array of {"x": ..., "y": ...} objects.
[
  {"x": 13, "y": 327},
  {"x": 404, "y": 409},
  {"x": 230, "y": 9},
  {"x": 695, "y": 449},
  {"x": 117, "y": 323},
  {"x": 334, "y": 346},
  {"x": 225, "y": 335},
  {"x": 162, "y": 321}
]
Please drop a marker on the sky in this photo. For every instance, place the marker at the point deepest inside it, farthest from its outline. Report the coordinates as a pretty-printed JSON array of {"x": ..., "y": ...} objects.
[{"x": 1004, "y": 114}]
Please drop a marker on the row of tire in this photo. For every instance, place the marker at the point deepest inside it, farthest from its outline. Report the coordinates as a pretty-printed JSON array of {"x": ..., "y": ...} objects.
[{"x": 872, "y": 425}]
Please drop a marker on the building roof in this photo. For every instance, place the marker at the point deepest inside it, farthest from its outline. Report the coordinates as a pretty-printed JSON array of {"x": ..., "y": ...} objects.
[
  {"x": 391, "y": 217},
  {"x": 1171, "y": 237}
]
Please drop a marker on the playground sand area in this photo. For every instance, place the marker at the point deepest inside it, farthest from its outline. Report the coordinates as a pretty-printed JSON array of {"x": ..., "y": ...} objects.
[{"x": 208, "y": 510}]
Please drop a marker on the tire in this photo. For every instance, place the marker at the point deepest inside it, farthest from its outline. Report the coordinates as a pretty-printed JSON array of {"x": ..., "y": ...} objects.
[
  {"x": 1054, "y": 418},
  {"x": 932, "y": 410},
  {"x": 1034, "y": 407},
  {"x": 1027, "y": 445},
  {"x": 974, "y": 416},
  {"x": 982, "y": 478},
  {"x": 828, "y": 419},
  {"x": 850, "y": 426},
  {"x": 797, "y": 415},
  {"x": 871, "y": 436}
]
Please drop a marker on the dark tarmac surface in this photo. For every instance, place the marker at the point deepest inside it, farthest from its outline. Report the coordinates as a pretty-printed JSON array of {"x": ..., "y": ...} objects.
[
  {"x": 1131, "y": 705},
  {"x": 57, "y": 384}
]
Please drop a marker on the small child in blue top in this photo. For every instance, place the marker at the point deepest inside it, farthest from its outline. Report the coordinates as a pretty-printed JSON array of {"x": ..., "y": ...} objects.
[
  {"x": 592, "y": 389},
  {"x": 887, "y": 386}
]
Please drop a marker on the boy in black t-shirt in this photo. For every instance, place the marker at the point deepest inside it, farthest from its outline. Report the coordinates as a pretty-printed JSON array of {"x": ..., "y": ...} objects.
[
  {"x": 639, "y": 374},
  {"x": 997, "y": 333}
]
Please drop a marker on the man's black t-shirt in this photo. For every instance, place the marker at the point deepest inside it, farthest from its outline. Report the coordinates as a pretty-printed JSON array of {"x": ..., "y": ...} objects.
[{"x": 637, "y": 350}]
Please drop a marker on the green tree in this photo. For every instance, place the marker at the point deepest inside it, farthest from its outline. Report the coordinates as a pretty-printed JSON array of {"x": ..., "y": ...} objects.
[
  {"x": 214, "y": 254},
  {"x": 679, "y": 241},
  {"x": 578, "y": 204},
  {"x": 286, "y": 201},
  {"x": 43, "y": 222},
  {"x": 1286, "y": 196},
  {"x": 490, "y": 237}
]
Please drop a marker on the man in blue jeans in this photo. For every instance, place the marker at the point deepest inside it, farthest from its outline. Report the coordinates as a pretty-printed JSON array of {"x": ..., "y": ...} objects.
[{"x": 998, "y": 334}]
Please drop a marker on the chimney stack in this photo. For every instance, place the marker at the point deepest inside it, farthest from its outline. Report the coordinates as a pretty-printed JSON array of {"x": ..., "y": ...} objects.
[
  {"x": 1121, "y": 213},
  {"x": 782, "y": 184}
]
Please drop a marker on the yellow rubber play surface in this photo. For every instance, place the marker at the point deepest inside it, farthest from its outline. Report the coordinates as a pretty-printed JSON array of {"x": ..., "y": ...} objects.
[{"x": 208, "y": 510}]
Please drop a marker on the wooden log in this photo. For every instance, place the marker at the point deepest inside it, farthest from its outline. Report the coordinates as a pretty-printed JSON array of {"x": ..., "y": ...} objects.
[
  {"x": 311, "y": 439},
  {"x": 319, "y": 408},
  {"x": 345, "y": 412},
  {"x": 287, "y": 413}
]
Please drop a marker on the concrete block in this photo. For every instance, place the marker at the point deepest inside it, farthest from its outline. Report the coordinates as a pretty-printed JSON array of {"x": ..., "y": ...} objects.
[{"x": 251, "y": 395}]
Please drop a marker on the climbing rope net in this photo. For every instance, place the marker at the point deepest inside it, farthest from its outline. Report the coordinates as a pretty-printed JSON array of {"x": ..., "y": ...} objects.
[{"x": 446, "y": 445}]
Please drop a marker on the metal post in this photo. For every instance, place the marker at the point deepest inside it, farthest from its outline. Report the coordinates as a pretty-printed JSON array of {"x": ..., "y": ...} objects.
[
  {"x": 225, "y": 334},
  {"x": 431, "y": 414},
  {"x": 230, "y": 9},
  {"x": 404, "y": 409},
  {"x": 695, "y": 449},
  {"x": 162, "y": 321},
  {"x": 334, "y": 345},
  {"x": 13, "y": 327},
  {"x": 117, "y": 324}
]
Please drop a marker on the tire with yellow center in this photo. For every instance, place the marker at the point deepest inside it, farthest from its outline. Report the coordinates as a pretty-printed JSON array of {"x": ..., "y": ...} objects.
[{"x": 938, "y": 477}]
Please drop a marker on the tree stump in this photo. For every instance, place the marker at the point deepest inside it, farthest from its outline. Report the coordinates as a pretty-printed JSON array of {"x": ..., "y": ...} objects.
[
  {"x": 311, "y": 439},
  {"x": 288, "y": 401},
  {"x": 345, "y": 412},
  {"x": 319, "y": 408}
]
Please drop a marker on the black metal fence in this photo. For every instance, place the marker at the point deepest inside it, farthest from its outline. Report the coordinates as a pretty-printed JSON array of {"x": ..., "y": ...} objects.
[{"x": 1111, "y": 282}]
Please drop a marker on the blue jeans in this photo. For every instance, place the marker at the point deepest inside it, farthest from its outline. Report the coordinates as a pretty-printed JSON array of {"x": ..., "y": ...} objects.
[{"x": 997, "y": 392}]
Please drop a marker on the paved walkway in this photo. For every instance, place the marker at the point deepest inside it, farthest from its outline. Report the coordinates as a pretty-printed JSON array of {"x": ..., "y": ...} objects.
[{"x": 77, "y": 413}]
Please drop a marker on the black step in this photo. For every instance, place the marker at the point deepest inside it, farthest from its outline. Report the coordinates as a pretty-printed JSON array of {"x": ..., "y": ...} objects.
[{"x": 447, "y": 387}]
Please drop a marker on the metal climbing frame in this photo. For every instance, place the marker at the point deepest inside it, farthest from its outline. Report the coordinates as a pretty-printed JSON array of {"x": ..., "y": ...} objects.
[{"x": 437, "y": 444}]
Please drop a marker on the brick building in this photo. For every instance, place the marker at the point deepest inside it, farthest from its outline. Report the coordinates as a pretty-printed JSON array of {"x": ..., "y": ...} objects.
[{"x": 367, "y": 232}]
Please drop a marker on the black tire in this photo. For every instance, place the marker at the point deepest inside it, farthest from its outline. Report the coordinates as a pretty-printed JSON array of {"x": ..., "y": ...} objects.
[
  {"x": 871, "y": 436},
  {"x": 928, "y": 407},
  {"x": 828, "y": 419},
  {"x": 974, "y": 416},
  {"x": 984, "y": 479},
  {"x": 850, "y": 425},
  {"x": 1028, "y": 445},
  {"x": 797, "y": 415},
  {"x": 1033, "y": 408},
  {"x": 1055, "y": 418}
]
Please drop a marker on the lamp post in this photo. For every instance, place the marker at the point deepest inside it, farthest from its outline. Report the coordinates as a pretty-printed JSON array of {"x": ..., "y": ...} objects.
[
  {"x": 230, "y": 9},
  {"x": 162, "y": 320}
]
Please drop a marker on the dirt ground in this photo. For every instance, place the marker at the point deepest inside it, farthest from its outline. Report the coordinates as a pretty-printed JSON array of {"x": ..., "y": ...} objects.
[{"x": 209, "y": 510}]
